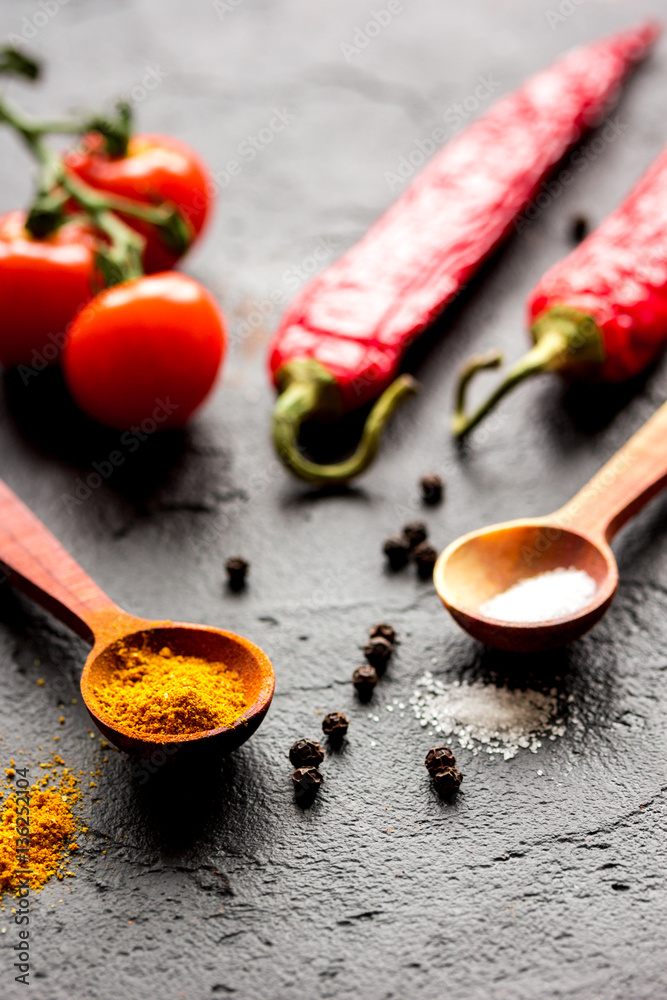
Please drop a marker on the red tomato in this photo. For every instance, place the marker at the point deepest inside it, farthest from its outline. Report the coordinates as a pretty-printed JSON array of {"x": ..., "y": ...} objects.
[
  {"x": 156, "y": 168},
  {"x": 146, "y": 352},
  {"x": 42, "y": 285}
]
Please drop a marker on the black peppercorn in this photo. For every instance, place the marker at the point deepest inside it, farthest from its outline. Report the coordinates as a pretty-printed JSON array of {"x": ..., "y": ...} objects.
[
  {"x": 438, "y": 758},
  {"x": 364, "y": 679},
  {"x": 237, "y": 570},
  {"x": 306, "y": 753},
  {"x": 579, "y": 229},
  {"x": 425, "y": 558},
  {"x": 334, "y": 725},
  {"x": 383, "y": 631},
  {"x": 306, "y": 780},
  {"x": 377, "y": 651},
  {"x": 447, "y": 780},
  {"x": 415, "y": 533},
  {"x": 431, "y": 487},
  {"x": 397, "y": 551}
]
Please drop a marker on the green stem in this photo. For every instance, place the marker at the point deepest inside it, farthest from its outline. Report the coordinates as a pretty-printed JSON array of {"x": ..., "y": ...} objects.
[
  {"x": 174, "y": 228},
  {"x": 118, "y": 262},
  {"x": 165, "y": 217},
  {"x": 123, "y": 259},
  {"x": 116, "y": 130},
  {"x": 28, "y": 128},
  {"x": 46, "y": 212},
  {"x": 477, "y": 363},
  {"x": 566, "y": 339},
  {"x": 308, "y": 389},
  {"x": 16, "y": 63}
]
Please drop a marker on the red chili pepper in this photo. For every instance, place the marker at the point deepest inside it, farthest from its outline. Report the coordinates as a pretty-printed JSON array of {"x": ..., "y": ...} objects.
[
  {"x": 341, "y": 341},
  {"x": 601, "y": 312}
]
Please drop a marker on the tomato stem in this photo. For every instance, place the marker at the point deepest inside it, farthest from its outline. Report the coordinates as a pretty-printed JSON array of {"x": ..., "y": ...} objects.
[
  {"x": 48, "y": 210},
  {"x": 120, "y": 260},
  {"x": 31, "y": 128},
  {"x": 174, "y": 227},
  {"x": 116, "y": 129},
  {"x": 16, "y": 63}
]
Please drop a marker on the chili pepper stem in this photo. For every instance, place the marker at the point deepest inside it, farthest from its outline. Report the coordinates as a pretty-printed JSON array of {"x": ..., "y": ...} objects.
[
  {"x": 565, "y": 339},
  {"x": 308, "y": 389},
  {"x": 477, "y": 363}
]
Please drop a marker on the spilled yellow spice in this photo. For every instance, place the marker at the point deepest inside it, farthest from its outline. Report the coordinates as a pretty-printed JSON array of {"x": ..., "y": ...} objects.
[
  {"x": 158, "y": 694},
  {"x": 50, "y": 833}
]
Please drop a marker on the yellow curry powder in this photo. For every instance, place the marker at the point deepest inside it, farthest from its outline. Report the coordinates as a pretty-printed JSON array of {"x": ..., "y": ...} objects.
[
  {"x": 158, "y": 694},
  {"x": 51, "y": 829}
]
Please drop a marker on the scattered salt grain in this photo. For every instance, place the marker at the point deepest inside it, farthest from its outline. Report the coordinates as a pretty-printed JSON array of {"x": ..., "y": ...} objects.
[
  {"x": 484, "y": 717},
  {"x": 545, "y": 597}
]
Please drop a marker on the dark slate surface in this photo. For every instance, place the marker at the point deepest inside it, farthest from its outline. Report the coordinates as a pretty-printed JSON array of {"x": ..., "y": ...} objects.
[{"x": 214, "y": 882}]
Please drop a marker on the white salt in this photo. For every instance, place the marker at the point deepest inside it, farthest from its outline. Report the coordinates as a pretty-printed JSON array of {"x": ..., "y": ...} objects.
[
  {"x": 484, "y": 717},
  {"x": 554, "y": 594}
]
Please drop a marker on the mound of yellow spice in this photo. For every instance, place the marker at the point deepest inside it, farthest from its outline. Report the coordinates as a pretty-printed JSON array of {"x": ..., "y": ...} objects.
[
  {"x": 163, "y": 694},
  {"x": 52, "y": 828}
]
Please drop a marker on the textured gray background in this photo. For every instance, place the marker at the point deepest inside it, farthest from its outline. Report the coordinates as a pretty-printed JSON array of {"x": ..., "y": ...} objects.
[{"x": 214, "y": 882}]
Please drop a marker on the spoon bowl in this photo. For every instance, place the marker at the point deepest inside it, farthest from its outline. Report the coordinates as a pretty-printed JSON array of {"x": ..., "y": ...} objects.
[
  {"x": 250, "y": 663},
  {"x": 36, "y": 563},
  {"x": 487, "y": 562}
]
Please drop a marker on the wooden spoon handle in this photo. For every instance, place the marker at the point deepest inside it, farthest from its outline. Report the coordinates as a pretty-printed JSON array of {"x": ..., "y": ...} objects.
[
  {"x": 37, "y": 564},
  {"x": 621, "y": 488}
]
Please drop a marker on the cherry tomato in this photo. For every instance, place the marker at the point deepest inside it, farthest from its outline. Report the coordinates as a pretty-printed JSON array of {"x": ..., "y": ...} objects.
[
  {"x": 42, "y": 285},
  {"x": 156, "y": 168},
  {"x": 146, "y": 352}
]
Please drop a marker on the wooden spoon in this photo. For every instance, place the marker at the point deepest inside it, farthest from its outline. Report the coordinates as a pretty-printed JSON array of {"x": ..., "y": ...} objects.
[
  {"x": 36, "y": 563},
  {"x": 487, "y": 562}
]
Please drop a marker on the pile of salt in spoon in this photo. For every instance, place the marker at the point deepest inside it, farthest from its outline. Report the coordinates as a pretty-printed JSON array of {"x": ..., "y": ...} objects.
[{"x": 546, "y": 597}]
